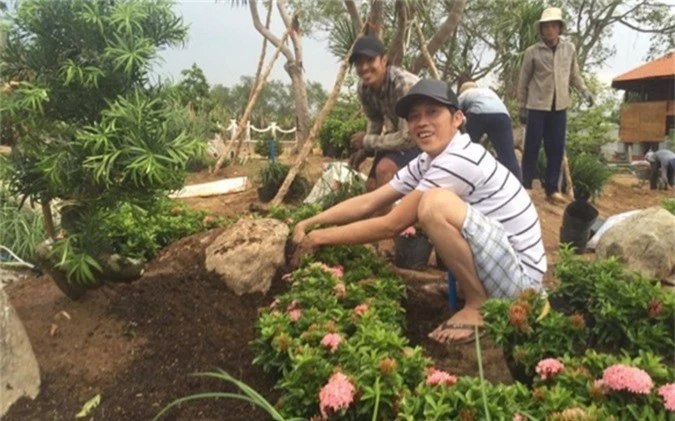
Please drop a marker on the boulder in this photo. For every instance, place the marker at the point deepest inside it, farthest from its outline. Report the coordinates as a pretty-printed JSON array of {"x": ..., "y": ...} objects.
[
  {"x": 19, "y": 371},
  {"x": 645, "y": 242},
  {"x": 248, "y": 254}
]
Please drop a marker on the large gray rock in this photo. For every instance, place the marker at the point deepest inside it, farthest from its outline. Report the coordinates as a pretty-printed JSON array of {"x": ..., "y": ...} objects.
[
  {"x": 248, "y": 254},
  {"x": 19, "y": 371},
  {"x": 645, "y": 242}
]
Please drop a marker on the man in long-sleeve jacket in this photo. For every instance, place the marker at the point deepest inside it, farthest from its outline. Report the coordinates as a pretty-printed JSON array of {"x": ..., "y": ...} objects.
[
  {"x": 380, "y": 87},
  {"x": 549, "y": 68}
]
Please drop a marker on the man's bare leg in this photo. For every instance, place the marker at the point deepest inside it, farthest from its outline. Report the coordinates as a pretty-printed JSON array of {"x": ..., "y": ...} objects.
[{"x": 442, "y": 215}]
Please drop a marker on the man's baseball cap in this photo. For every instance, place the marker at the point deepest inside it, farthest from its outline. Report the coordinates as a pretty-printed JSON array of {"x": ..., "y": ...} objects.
[
  {"x": 368, "y": 46},
  {"x": 432, "y": 89}
]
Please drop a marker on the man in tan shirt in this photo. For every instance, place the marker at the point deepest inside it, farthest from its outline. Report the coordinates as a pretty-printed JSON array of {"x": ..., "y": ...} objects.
[{"x": 549, "y": 68}]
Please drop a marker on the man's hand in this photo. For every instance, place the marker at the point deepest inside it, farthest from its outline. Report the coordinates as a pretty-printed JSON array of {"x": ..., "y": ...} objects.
[
  {"x": 523, "y": 116},
  {"x": 357, "y": 140},
  {"x": 299, "y": 233},
  {"x": 305, "y": 247},
  {"x": 357, "y": 158}
]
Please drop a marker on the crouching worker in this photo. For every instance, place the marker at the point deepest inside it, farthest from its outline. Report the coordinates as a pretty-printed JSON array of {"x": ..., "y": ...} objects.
[{"x": 476, "y": 213}]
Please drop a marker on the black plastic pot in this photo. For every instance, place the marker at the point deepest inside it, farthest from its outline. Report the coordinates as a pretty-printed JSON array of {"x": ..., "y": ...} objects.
[
  {"x": 412, "y": 252},
  {"x": 518, "y": 372},
  {"x": 332, "y": 151},
  {"x": 267, "y": 192},
  {"x": 578, "y": 219}
]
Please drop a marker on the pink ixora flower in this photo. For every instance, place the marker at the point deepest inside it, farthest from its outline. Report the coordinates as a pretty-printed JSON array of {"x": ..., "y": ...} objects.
[
  {"x": 549, "y": 368},
  {"x": 337, "y": 271},
  {"x": 288, "y": 277},
  {"x": 274, "y": 303},
  {"x": 340, "y": 290},
  {"x": 436, "y": 377},
  {"x": 360, "y": 309},
  {"x": 409, "y": 232},
  {"x": 336, "y": 395},
  {"x": 622, "y": 377},
  {"x": 667, "y": 392},
  {"x": 331, "y": 340},
  {"x": 518, "y": 417},
  {"x": 295, "y": 314}
]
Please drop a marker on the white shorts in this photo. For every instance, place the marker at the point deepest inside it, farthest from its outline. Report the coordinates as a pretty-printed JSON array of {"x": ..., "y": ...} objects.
[{"x": 497, "y": 263}]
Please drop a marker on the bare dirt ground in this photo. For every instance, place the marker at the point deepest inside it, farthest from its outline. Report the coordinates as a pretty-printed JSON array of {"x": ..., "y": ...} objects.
[{"x": 137, "y": 344}]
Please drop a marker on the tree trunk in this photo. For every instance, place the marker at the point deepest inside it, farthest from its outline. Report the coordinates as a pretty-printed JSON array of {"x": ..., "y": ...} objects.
[
  {"x": 443, "y": 34},
  {"x": 397, "y": 44},
  {"x": 376, "y": 18},
  {"x": 48, "y": 218},
  {"x": 354, "y": 15},
  {"x": 313, "y": 133},
  {"x": 301, "y": 103},
  {"x": 261, "y": 60}
]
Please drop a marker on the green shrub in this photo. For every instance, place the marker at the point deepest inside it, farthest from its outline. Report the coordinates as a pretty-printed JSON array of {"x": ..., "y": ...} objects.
[
  {"x": 669, "y": 204},
  {"x": 339, "y": 127},
  {"x": 273, "y": 175},
  {"x": 20, "y": 229},
  {"x": 589, "y": 176}
]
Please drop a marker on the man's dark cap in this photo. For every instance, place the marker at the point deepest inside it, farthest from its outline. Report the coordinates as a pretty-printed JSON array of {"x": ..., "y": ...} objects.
[
  {"x": 368, "y": 46},
  {"x": 433, "y": 89}
]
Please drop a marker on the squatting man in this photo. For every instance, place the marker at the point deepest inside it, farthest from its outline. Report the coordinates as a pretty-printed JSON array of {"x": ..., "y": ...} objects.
[{"x": 476, "y": 213}]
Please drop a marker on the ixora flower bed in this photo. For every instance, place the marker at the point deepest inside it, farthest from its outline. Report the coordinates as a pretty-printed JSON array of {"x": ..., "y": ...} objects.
[{"x": 335, "y": 339}]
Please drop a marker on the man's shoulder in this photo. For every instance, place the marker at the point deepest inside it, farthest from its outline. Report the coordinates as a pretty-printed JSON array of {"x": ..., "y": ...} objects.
[{"x": 400, "y": 76}]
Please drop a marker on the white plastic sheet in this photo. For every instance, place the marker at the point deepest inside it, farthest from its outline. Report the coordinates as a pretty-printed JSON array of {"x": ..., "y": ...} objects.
[{"x": 334, "y": 173}]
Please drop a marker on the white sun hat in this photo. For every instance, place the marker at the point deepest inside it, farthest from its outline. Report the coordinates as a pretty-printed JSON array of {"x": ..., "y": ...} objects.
[{"x": 550, "y": 14}]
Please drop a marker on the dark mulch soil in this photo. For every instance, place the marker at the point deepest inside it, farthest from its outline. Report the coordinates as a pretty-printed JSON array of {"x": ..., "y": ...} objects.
[{"x": 137, "y": 344}]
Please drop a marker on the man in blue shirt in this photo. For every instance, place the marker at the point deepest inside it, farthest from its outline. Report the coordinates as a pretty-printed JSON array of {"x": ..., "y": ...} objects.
[{"x": 487, "y": 114}]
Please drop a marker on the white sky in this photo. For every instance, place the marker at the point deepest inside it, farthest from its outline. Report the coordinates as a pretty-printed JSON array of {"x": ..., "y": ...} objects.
[{"x": 224, "y": 43}]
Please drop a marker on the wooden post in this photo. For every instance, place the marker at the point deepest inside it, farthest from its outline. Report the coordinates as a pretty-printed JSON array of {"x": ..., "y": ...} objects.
[
  {"x": 569, "y": 188},
  {"x": 236, "y": 141},
  {"x": 425, "y": 51},
  {"x": 309, "y": 143}
]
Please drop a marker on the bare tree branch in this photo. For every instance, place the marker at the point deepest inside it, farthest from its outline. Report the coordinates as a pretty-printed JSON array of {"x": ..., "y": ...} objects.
[
  {"x": 397, "y": 44},
  {"x": 261, "y": 60},
  {"x": 376, "y": 18},
  {"x": 266, "y": 32},
  {"x": 443, "y": 34},
  {"x": 425, "y": 52},
  {"x": 354, "y": 15},
  {"x": 294, "y": 32}
]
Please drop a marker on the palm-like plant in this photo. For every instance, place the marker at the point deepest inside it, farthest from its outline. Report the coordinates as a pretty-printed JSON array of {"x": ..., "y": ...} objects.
[{"x": 88, "y": 127}]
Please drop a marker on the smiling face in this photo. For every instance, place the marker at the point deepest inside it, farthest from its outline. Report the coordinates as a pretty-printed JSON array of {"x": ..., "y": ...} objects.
[
  {"x": 550, "y": 32},
  {"x": 433, "y": 126},
  {"x": 371, "y": 70}
]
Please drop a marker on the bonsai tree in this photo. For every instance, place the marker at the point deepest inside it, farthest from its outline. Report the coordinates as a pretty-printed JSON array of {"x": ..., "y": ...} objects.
[
  {"x": 88, "y": 127},
  {"x": 589, "y": 176}
]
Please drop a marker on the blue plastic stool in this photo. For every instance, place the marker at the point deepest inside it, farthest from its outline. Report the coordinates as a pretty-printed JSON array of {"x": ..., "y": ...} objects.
[{"x": 452, "y": 291}]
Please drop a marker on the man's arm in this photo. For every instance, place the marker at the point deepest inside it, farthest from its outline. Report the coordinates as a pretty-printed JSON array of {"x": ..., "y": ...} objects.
[
  {"x": 526, "y": 71},
  {"x": 390, "y": 141},
  {"x": 353, "y": 209},
  {"x": 576, "y": 81},
  {"x": 401, "y": 216}
]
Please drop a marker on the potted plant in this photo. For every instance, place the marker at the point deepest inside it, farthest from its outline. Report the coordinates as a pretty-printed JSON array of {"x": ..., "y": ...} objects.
[
  {"x": 272, "y": 177},
  {"x": 413, "y": 249},
  {"x": 589, "y": 176}
]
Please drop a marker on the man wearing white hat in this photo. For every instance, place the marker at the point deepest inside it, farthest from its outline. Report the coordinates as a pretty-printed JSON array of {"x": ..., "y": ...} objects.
[{"x": 549, "y": 68}]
